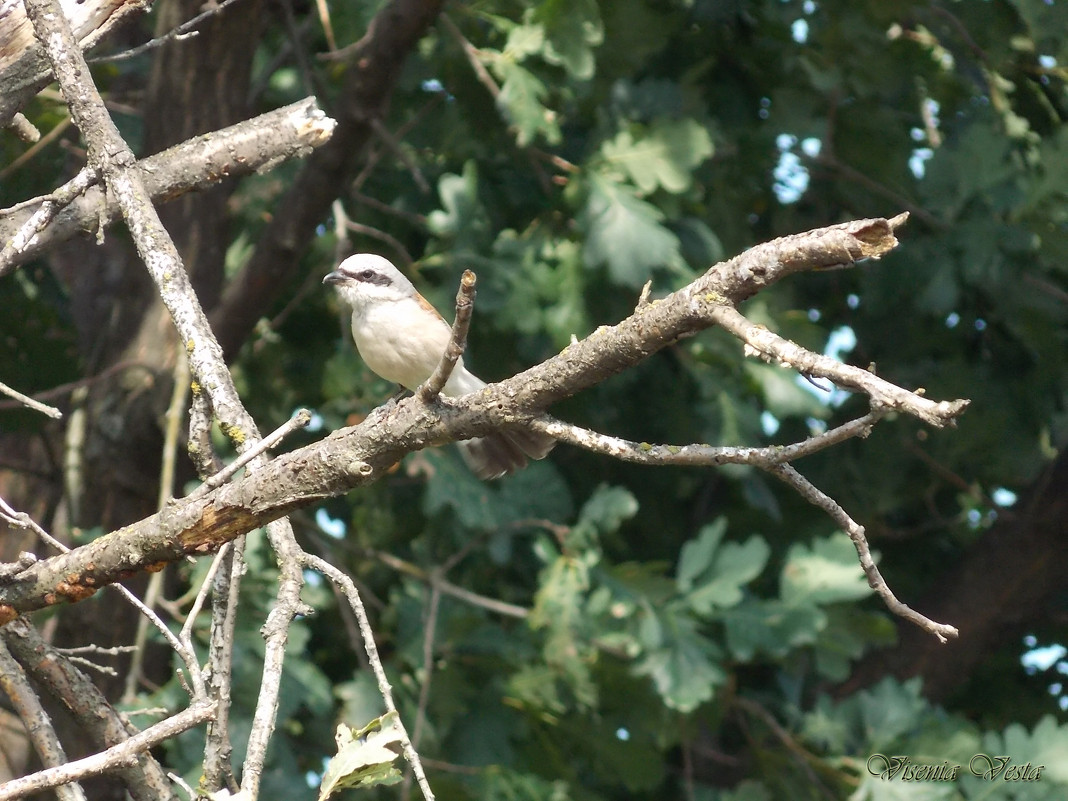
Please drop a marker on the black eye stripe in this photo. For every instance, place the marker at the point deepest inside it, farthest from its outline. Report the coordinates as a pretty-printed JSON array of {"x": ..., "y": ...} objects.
[{"x": 370, "y": 277}]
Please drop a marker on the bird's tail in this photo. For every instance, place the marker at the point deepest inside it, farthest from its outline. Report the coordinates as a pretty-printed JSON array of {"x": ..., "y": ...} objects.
[{"x": 504, "y": 452}]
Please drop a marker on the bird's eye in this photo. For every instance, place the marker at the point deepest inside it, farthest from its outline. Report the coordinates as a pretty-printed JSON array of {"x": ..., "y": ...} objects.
[{"x": 366, "y": 275}]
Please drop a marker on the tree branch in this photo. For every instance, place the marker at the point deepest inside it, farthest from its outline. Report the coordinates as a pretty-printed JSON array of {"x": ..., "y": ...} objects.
[
  {"x": 362, "y": 454},
  {"x": 374, "y": 66},
  {"x": 23, "y": 66},
  {"x": 113, "y": 758},
  {"x": 32, "y": 713},
  {"x": 810, "y": 493},
  {"x": 347, "y": 586},
  {"x": 280, "y": 135},
  {"x": 145, "y": 780}
]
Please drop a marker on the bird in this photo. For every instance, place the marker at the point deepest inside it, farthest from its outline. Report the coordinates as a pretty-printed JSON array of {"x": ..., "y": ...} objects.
[{"x": 402, "y": 337}]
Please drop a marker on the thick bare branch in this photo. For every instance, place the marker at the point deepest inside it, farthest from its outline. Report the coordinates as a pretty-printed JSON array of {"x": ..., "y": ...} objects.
[
  {"x": 288, "y": 132},
  {"x": 113, "y": 758},
  {"x": 145, "y": 779},
  {"x": 23, "y": 698},
  {"x": 374, "y": 66},
  {"x": 355, "y": 456}
]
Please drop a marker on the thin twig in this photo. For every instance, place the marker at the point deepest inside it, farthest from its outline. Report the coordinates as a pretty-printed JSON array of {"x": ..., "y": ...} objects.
[
  {"x": 375, "y": 154},
  {"x": 465, "y": 302},
  {"x": 62, "y": 390},
  {"x": 298, "y": 420},
  {"x": 382, "y": 236},
  {"x": 430, "y": 627},
  {"x": 24, "y": 129},
  {"x": 804, "y": 757},
  {"x": 186, "y": 634},
  {"x": 183, "y": 31},
  {"x": 172, "y": 430},
  {"x": 276, "y": 632},
  {"x": 23, "y": 562},
  {"x": 328, "y": 28},
  {"x": 376, "y": 204},
  {"x": 353, "y": 597},
  {"x": 471, "y": 53},
  {"x": 394, "y": 145},
  {"x": 813, "y": 495},
  {"x": 52, "y": 205},
  {"x": 700, "y": 454},
  {"x": 775, "y": 348},
  {"x": 38, "y": 146}
]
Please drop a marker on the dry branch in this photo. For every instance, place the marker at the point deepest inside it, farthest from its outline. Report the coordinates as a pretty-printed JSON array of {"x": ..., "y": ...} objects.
[
  {"x": 24, "y": 70},
  {"x": 145, "y": 779},
  {"x": 114, "y": 758},
  {"x": 288, "y": 132}
]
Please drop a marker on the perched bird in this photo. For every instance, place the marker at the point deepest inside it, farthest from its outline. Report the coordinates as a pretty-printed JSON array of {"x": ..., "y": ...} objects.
[{"x": 402, "y": 337}]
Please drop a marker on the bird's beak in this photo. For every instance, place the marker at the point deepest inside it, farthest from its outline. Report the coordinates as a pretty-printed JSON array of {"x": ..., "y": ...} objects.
[{"x": 336, "y": 277}]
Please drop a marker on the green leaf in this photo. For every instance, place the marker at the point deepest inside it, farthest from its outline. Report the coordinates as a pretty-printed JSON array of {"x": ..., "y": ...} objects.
[
  {"x": 890, "y": 710},
  {"x": 826, "y": 572},
  {"x": 684, "y": 664},
  {"x": 607, "y": 509},
  {"x": 462, "y": 217},
  {"x": 770, "y": 627},
  {"x": 1047, "y": 746},
  {"x": 879, "y": 719},
  {"x": 664, "y": 155},
  {"x": 572, "y": 29},
  {"x": 559, "y": 609},
  {"x": 625, "y": 233},
  {"x": 710, "y": 575},
  {"x": 523, "y": 41},
  {"x": 520, "y": 102},
  {"x": 696, "y": 555},
  {"x": 365, "y": 757}
]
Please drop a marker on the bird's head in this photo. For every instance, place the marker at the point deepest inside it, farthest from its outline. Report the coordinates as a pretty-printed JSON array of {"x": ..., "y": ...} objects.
[{"x": 365, "y": 279}]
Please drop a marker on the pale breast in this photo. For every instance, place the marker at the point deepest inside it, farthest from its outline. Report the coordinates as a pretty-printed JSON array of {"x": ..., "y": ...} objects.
[{"x": 399, "y": 343}]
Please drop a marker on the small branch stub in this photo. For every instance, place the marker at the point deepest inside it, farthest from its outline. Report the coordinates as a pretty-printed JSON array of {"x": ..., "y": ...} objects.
[{"x": 465, "y": 304}]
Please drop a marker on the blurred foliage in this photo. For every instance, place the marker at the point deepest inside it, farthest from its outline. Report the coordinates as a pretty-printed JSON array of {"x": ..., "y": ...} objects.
[{"x": 682, "y": 626}]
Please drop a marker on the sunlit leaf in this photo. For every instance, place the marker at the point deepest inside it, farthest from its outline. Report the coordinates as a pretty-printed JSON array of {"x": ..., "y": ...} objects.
[
  {"x": 664, "y": 155},
  {"x": 364, "y": 757},
  {"x": 520, "y": 100},
  {"x": 824, "y": 572},
  {"x": 573, "y": 29},
  {"x": 624, "y": 233}
]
